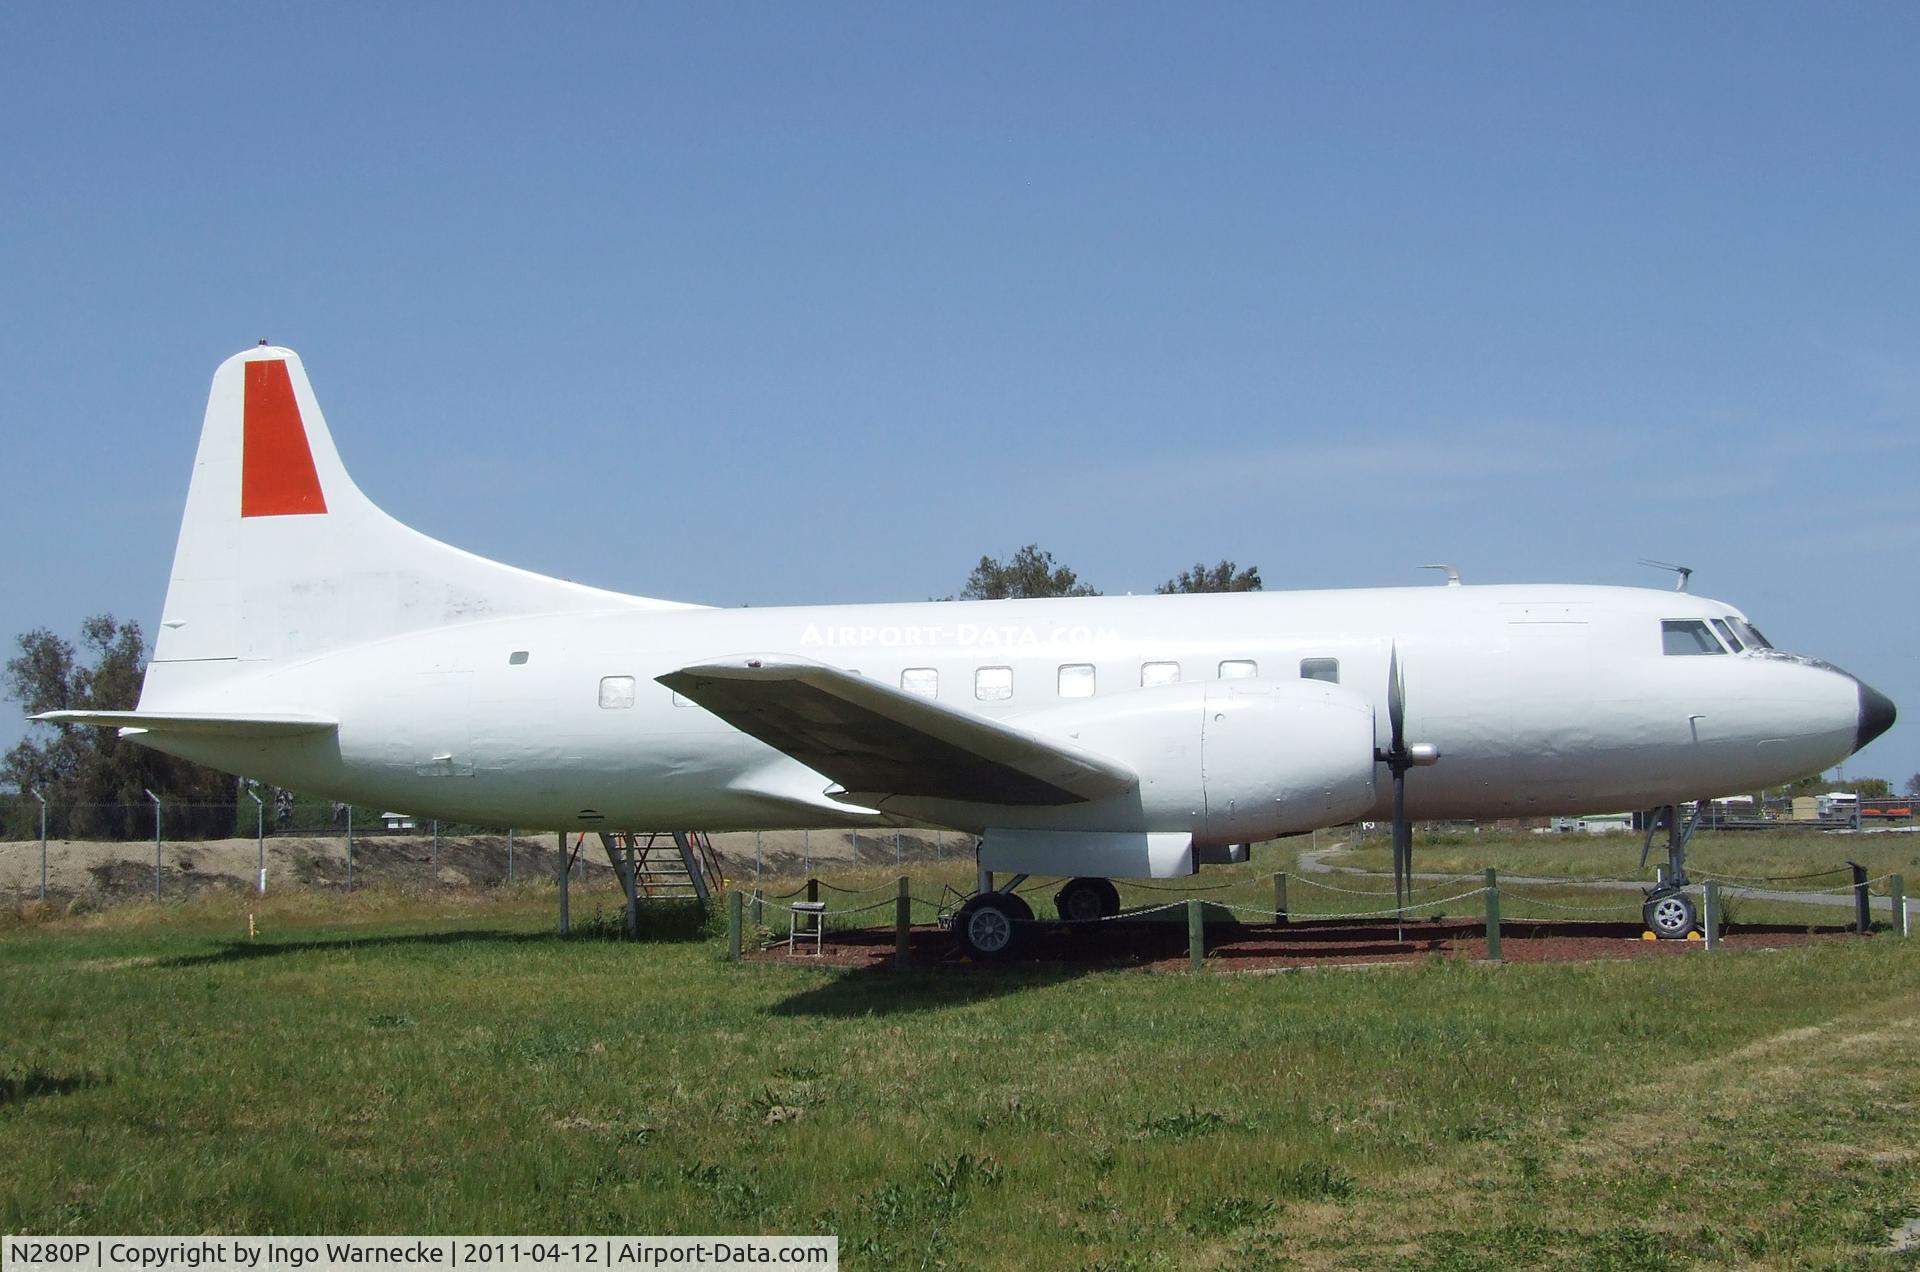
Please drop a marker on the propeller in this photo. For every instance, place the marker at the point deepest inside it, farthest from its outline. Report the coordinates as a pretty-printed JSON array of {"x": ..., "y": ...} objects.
[{"x": 1400, "y": 756}]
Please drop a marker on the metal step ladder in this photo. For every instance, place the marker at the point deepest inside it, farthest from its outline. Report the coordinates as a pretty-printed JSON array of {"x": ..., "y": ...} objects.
[{"x": 663, "y": 865}]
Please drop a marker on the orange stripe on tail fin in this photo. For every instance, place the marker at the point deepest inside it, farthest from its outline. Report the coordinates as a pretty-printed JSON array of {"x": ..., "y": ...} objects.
[{"x": 277, "y": 478}]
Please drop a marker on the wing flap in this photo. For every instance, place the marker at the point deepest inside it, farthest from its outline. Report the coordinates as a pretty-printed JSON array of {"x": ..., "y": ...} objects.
[
  {"x": 877, "y": 742},
  {"x": 249, "y": 725}
]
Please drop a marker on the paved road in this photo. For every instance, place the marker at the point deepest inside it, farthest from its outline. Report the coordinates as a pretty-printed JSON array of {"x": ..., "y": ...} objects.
[{"x": 1313, "y": 862}]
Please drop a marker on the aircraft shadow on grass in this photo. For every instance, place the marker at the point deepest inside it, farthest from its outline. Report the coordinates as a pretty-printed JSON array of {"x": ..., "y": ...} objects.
[
  {"x": 880, "y": 990},
  {"x": 19, "y": 1088},
  {"x": 246, "y": 951}
]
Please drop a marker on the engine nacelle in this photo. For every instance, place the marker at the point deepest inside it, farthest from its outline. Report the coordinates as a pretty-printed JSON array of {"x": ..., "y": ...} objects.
[
  {"x": 1280, "y": 757},
  {"x": 1229, "y": 761}
]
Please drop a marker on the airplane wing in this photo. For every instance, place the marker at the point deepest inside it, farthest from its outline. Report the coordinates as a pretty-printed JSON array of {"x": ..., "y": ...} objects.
[
  {"x": 877, "y": 741},
  {"x": 250, "y": 725}
]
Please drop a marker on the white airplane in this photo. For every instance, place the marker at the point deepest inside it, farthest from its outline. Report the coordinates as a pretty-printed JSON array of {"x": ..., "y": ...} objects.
[{"x": 311, "y": 640}]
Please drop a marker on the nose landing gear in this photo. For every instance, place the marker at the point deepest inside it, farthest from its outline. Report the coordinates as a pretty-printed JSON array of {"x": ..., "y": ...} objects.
[{"x": 1669, "y": 912}]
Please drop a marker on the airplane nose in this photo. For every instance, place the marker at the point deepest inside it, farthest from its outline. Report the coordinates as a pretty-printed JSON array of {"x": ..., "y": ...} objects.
[{"x": 1876, "y": 715}]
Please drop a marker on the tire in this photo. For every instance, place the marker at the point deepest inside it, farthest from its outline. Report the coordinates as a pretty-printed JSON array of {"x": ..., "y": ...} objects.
[
  {"x": 991, "y": 926},
  {"x": 1670, "y": 915},
  {"x": 1085, "y": 900}
]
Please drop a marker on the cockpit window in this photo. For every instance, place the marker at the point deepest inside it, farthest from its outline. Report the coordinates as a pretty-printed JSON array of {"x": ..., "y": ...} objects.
[
  {"x": 1750, "y": 634},
  {"x": 1688, "y": 636},
  {"x": 1726, "y": 634}
]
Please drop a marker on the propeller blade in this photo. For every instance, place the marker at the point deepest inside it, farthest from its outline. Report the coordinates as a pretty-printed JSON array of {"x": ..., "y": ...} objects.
[{"x": 1396, "y": 708}]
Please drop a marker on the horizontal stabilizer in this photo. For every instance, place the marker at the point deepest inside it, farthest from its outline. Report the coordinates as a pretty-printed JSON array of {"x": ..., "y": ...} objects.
[
  {"x": 878, "y": 742},
  {"x": 232, "y": 726}
]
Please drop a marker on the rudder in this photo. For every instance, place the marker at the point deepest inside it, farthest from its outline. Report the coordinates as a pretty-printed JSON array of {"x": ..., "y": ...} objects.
[{"x": 280, "y": 555}]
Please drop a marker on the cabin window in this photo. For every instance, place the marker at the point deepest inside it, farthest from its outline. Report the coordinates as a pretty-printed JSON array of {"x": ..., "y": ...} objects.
[
  {"x": 1327, "y": 669},
  {"x": 1239, "y": 669},
  {"x": 1726, "y": 634},
  {"x": 1688, "y": 636},
  {"x": 1159, "y": 673},
  {"x": 1076, "y": 680},
  {"x": 616, "y": 692},
  {"x": 993, "y": 684},
  {"x": 923, "y": 682},
  {"x": 518, "y": 658},
  {"x": 680, "y": 700}
]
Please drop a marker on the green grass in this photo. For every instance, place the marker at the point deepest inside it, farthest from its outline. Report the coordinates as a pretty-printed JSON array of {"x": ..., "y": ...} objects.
[
  {"x": 440, "y": 1062},
  {"x": 1748, "y": 854}
]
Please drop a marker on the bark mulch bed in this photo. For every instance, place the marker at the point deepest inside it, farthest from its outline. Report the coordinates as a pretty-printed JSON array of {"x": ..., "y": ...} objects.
[{"x": 1303, "y": 944}]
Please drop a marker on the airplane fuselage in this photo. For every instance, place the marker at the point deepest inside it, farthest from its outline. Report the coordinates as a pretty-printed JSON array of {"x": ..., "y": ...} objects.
[{"x": 1541, "y": 699}]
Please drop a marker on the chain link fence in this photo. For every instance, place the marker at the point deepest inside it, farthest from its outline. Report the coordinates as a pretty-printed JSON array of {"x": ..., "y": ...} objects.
[{"x": 107, "y": 853}]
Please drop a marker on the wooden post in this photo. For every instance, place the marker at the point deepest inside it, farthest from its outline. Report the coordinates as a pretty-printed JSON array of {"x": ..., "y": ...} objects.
[
  {"x": 733, "y": 927},
  {"x": 813, "y": 889},
  {"x": 1493, "y": 914},
  {"x": 1897, "y": 894},
  {"x": 1711, "y": 919},
  {"x": 1280, "y": 899},
  {"x": 1196, "y": 935},
  {"x": 902, "y": 925},
  {"x": 1862, "y": 903}
]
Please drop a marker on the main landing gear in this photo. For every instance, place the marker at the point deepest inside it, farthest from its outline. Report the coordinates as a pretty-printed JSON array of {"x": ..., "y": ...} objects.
[
  {"x": 994, "y": 925},
  {"x": 998, "y": 923},
  {"x": 1087, "y": 899},
  {"x": 1669, "y": 912}
]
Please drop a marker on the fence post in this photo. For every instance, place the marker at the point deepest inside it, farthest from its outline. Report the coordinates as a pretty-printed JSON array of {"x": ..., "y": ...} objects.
[
  {"x": 1196, "y": 936},
  {"x": 1493, "y": 914},
  {"x": 260, "y": 834},
  {"x": 1862, "y": 907},
  {"x": 1280, "y": 899},
  {"x": 733, "y": 926},
  {"x": 759, "y": 905},
  {"x": 1711, "y": 918},
  {"x": 902, "y": 925},
  {"x": 434, "y": 859},
  {"x": 43, "y": 843},
  {"x": 813, "y": 890},
  {"x": 156, "y": 844},
  {"x": 1897, "y": 893}
]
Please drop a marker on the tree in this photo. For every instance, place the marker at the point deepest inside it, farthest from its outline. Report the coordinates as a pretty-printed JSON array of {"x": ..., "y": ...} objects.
[
  {"x": 1864, "y": 787},
  {"x": 1913, "y": 784},
  {"x": 1030, "y": 573},
  {"x": 1224, "y": 577},
  {"x": 95, "y": 779}
]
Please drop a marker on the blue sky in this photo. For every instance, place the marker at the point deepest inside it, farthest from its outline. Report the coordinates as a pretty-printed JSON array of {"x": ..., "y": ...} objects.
[{"x": 768, "y": 304}]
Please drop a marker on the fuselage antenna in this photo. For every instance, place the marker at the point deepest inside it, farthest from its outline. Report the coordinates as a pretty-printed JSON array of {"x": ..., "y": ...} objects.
[{"x": 1684, "y": 572}]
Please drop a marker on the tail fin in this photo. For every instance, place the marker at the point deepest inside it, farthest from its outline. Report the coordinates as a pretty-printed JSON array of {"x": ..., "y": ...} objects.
[{"x": 281, "y": 555}]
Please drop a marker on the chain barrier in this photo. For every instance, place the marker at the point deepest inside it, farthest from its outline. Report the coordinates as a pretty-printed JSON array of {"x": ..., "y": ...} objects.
[
  {"x": 1377, "y": 892},
  {"x": 1818, "y": 874},
  {"x": 1618, "y": 907}
]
